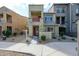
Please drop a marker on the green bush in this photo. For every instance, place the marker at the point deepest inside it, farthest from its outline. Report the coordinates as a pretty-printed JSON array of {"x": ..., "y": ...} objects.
[
  {"x": 61, "y": 34},
  {"x": 73, "y": 39},
  {"x": 4, "y": 33},
  {"x": 7, "y": 33},
  {"x": 64, "y": 38},
  {"x": 43, "y": 37}
]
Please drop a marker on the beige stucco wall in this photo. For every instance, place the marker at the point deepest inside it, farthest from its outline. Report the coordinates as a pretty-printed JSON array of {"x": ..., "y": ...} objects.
[
  {"x": 47, "y": 34},
  {"x": 31, "y": 24}
]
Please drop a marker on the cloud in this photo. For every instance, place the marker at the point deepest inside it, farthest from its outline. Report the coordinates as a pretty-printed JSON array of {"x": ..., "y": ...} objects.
[{"x": 21, "y": 6}]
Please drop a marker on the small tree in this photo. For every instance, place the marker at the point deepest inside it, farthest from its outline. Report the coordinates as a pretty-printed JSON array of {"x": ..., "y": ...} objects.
[
  {"x": 7, "y": 33},
  {"x": 61, "y": 34},
  {"x": 43, "y": 37}
]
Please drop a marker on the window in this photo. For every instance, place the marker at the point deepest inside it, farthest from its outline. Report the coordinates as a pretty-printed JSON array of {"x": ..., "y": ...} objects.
[
  {"x": 50, "y": 29},
  {"x": 57, "y": 20},
  {"x": 45, "y": 19},
  {"x": 50, "y": 18},
  {"x": 77, "y": 12},
  {"x": 60, "y": 10},
  {"x": 62, "y": 20},
  {"x": 9, "y": 18}
]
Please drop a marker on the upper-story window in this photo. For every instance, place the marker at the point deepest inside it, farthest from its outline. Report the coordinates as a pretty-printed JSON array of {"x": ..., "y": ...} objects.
[
  {"x": 1, "y": 17},
  {"x": 77, "y": 11},
  {"x": 9, "y": 18},
  {"x": 63, "y": 20},
  {"x": 60, "y": 10},
  {"x": 57, "y": 20},
  {"x": 36, "y": 18},
  {"x": 48, "y": 19}
]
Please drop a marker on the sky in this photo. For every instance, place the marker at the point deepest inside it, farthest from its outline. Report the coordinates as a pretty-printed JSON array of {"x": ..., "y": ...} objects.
[{"x": 21, "y": 6}]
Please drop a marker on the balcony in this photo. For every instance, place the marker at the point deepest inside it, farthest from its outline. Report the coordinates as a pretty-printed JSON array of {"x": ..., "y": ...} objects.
[
  {"x": 9, "y": 19},
  {"x": 36, "y": 19},
  {"x": 37, "y": 22}
]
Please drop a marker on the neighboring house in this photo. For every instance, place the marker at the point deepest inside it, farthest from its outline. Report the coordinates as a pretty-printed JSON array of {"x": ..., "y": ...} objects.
[
  {"x": 12, "y": 21},
  {"x": 68, "y": 13},
  {"x": 62, "y": 16},
  {"x": 50, "y": 24}
]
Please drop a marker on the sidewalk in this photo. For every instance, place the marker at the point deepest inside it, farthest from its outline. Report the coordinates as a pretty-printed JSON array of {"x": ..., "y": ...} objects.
[{"x": 35, "y": 49}]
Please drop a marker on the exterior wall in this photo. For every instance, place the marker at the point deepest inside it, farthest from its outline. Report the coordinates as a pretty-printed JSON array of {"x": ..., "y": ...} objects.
[
  {"x": 35, "y": 8},
  {"x": 78, "y": 36},
  {"x": 74, "y": 18},
  {"x": 47, "y": 34},
  {"x": 70, "y": 16},
  {"x": 50, "y": 34},
  {"x": 18, "y": 22},
  {"x": 66, "y": 14}
]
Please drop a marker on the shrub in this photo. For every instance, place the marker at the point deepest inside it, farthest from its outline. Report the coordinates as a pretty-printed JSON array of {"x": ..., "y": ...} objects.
[
  {"x": 43, "y": 37},
  {"x": 21, "y": 33},
  {"x": 54, "y": 37},
  {"x": 73, "y": 39},
  {"x": 4, "y": 33},
  {"x": 7, "y": 33},
  {"x": 14, "y": 34},
  {"x": 64, "y": 38},
  {"x": 59, "y": 39}
]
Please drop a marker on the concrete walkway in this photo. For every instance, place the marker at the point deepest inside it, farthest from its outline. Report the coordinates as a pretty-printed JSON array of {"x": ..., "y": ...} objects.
[{"x": 50, "y": 49}]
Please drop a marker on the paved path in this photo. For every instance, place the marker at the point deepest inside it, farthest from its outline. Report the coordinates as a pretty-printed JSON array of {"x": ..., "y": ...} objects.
[{"x": 50, "y": 49}]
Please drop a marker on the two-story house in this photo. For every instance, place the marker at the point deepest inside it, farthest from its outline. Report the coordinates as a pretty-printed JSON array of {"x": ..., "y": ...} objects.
[
  {"x": 12, "y": 21},
  {"x": 50, "y": 25}
]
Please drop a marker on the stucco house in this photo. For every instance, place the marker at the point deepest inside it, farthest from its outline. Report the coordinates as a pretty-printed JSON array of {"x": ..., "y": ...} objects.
[{"x": 12, "y": 21}]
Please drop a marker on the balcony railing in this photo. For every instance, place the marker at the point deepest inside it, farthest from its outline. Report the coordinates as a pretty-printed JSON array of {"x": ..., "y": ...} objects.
[{"x": 9, "y": 21}]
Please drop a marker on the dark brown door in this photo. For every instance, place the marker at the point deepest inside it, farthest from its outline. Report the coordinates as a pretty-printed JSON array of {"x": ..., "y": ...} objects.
[{"x": 35, "y": 30}]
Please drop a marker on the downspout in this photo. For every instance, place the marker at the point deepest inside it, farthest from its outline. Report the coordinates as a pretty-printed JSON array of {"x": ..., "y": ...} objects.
[{"x": 70, "y": 17}]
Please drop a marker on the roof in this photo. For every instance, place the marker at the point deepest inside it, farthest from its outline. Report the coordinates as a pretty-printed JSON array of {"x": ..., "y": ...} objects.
[{"x": 4, "y": 7}]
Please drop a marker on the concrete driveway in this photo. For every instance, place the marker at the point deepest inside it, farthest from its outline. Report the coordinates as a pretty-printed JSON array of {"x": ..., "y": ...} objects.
[{"x": 50, "y": 49}]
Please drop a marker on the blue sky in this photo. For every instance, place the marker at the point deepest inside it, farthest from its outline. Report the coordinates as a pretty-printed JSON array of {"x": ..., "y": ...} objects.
[{"x": 21, "y": 6}]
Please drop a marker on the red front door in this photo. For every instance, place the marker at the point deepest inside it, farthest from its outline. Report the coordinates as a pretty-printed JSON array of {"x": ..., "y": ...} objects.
[{"x": 35, "y": 30}]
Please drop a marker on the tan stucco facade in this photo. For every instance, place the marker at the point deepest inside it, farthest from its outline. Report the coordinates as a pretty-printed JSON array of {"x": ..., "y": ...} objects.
[
  {"x": 18, "y": 22},
  {"x": 35, "y": 10}
]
